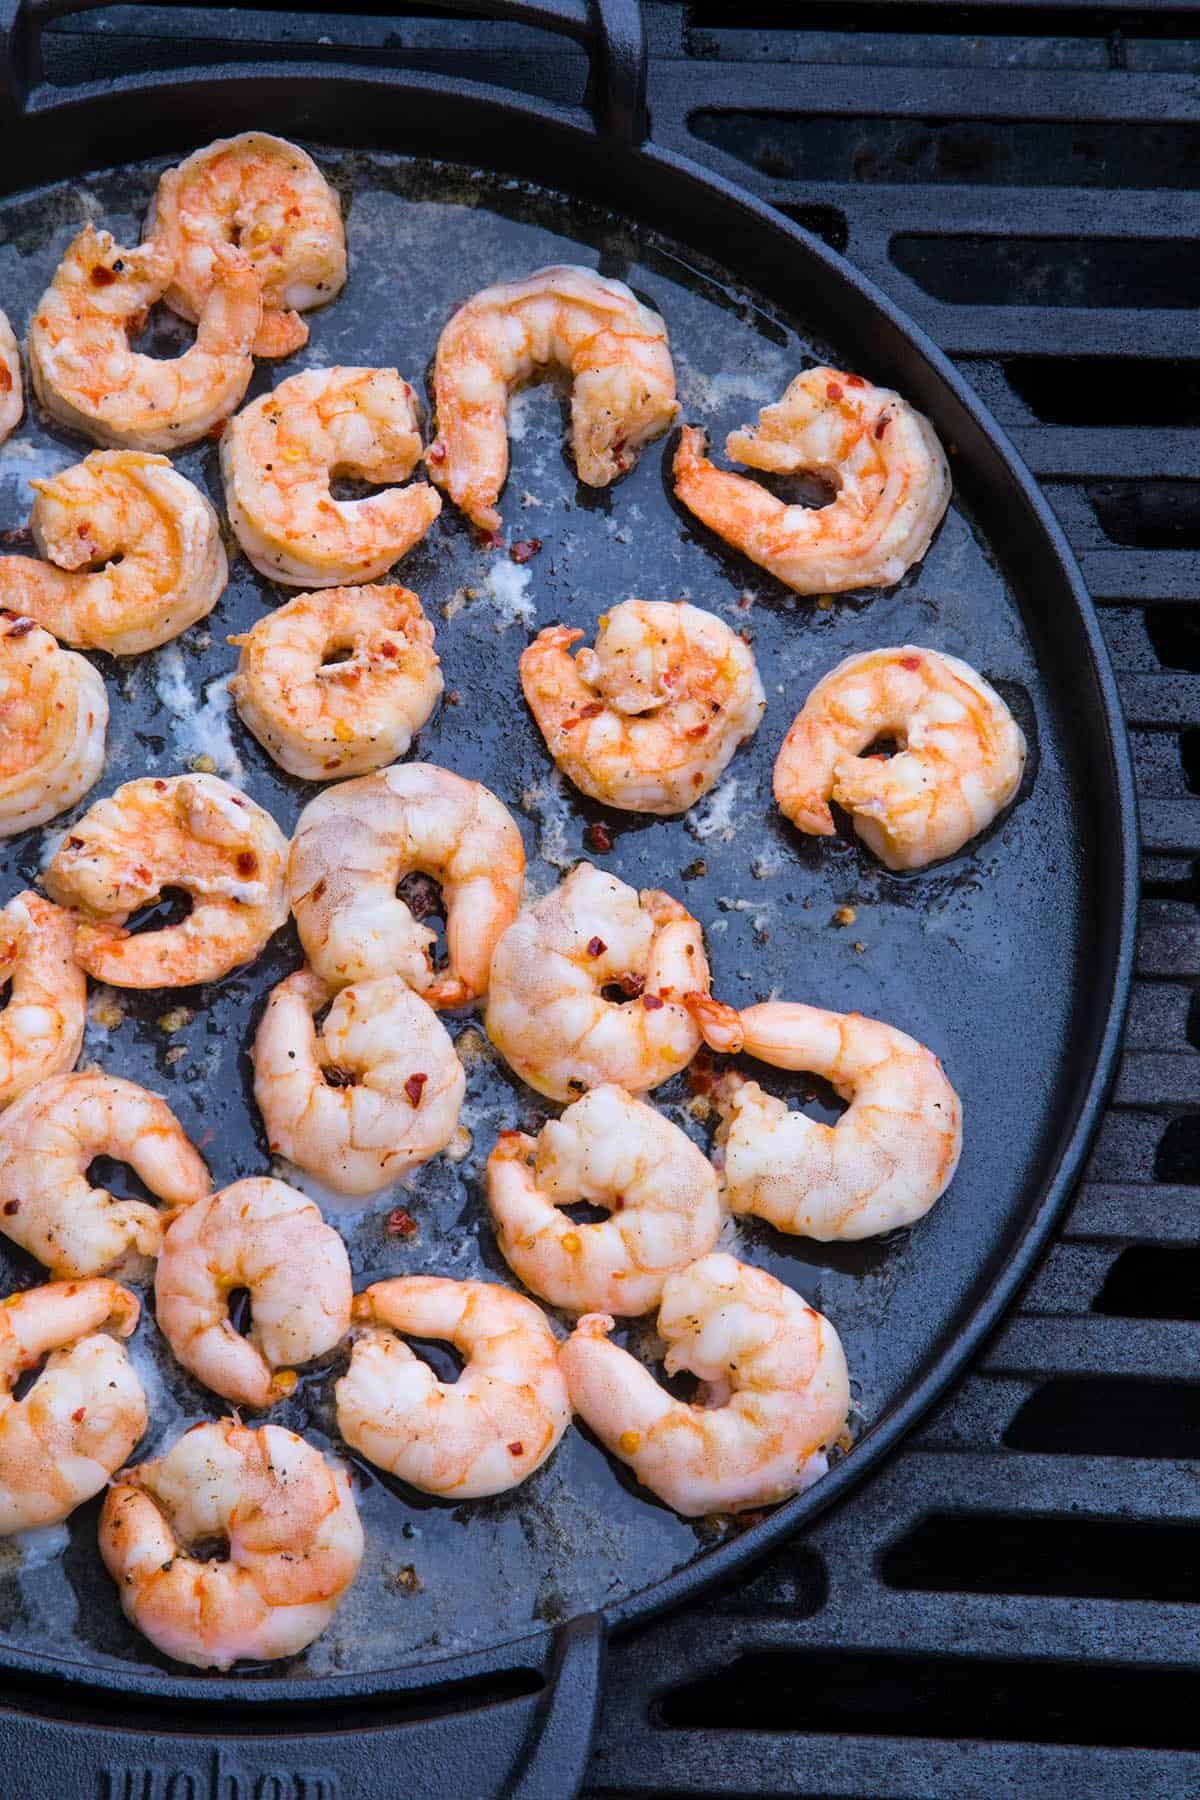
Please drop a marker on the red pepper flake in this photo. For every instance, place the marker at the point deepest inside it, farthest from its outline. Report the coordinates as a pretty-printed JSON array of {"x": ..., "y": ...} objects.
[
  {"x": 596, "y": 946},
  {"x": 79, "y": 1415},
  {"x": 74, "y": 843},
  {"x": 833, "y": 391},
  {"x": 413, "y": 1088},
  {"x": 910, "y": 662},
  {"x": 217, "y": 428},
  {"x": 592, "y": 710},
  {"x": 21, "y": 629},
  {"x": 247, "y": 863},
  {"x": 525, "y": 549},
  {"x": 84, "y": 530},
  {"x": 436, "y": 452},
  {"x": 697, "y": 731},
  {"x": 400, "y": 1223},
  {"x": 598, "y": 838},
  {"x": 388, "y": 649},
  {"x": 102, "y": 276},
  {"x": 651, "y": 1002},
  {"x": 855, "y": 381},
  {"x": 491, "y": 540},
  {"x": 632, "y": 985},
  {"x": 142, "y": 872},
  {"x": 11, "y": 1207},
  {"x": 319, "y": 889},
  {"x": 882, "y": 423},
  {"x": 160, "y": 787},
  {"x": 516, "y": 1449}
]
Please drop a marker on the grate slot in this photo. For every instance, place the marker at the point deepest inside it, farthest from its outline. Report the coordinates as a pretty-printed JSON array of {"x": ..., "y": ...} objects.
[
  {"x": 1154, "y": 1420},
  {"x": 978, "y": 1553},
  {"x": 977, "y": 270}
]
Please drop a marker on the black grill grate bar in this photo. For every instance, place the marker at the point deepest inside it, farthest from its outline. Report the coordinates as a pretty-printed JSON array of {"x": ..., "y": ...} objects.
[{"x": 1135, "y": 1212}]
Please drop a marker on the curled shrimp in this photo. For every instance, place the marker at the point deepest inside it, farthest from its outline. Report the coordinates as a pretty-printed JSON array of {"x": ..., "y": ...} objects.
[
  {"x": 480, "y": 1435},
  {"x": 280, "y": 454},
  {"x": 270, "y": 199},
  {"x": 773, "y": 1398},
  {"x": 41, "y": 1026},
  {"x": 960, "y": 759},
  {"x": 48, "y": 1140},
  {"x": 882, "y": 457},
  {"x": 649, "y": 719},
  {"x": 548, "y": 1013},
  {"x": 132, "y": 555},
  {"x": 263, "y": 1236},
  {"x": 356, "y": 841},
  {"x": 616, "y": 1152},
  {"x": 193, "y": 832},
  {"x": 12, "y": 395},
  {"x": 892, "y": 1153},
  {"x": 287, "y": 1516},
  {"x": 614, "y": 349},
  {"x": 85, "y": 1412},
  {"x": 86, "y": 375},
  {"x": 376, "y": 1094},
  {"x": 53, "y": 717},
  {"x": 336, "y": 683}
]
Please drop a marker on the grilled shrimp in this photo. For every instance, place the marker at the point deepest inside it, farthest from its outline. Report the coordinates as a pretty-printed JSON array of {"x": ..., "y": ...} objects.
[
  {"x": 86, "y": 375},
  {"x": 547, "y": 1012},
  {"x": 263, "y": 1236},
  {"x": 649, "y": 719},
  {"x": 85, "y": 1412},
  {"x": 133, "y": 554},
  {"x": 270, "y": 199},
  {"x": 356, "y": 841},
  {"x": 614, "y": 349},
  {"x": 287, "y": 1516},
  {"x": 336, "y": 683},
  {"x": 480, "y": 1435},
  {"x": 892, "y": 1153},
  {"x": 376, "y": 1094},
  {"x": 48, "y": 1140},
  {"x": 616, "y": 1152},
  {"x": 280, "y": 454},
  {"x": 890, "y": 475},
  {"x": 41, "y": 1026},
  {"x": 53, "y": 717},
  {"x": 773, "y": 1398},
  {"x": 12, "y": 397},
  {"x": 193, "y": 832},
  {"x": 959, "y": 764}
]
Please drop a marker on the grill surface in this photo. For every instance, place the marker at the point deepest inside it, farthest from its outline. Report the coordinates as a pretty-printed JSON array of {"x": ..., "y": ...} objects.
[{"x": 1016, "y": 1582}]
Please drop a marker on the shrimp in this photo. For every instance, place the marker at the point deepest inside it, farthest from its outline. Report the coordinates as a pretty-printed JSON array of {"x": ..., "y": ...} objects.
[
  {"x": 193, "y": 832},
  {"x": 86, "y": 375},
  {"x": 892, "y": 1153},
  {"x": 375, "y": 1095},
  {"x": 48, "y": 1141},
  {"x": 263, "y": 1236},
  {"x": 85, "y": 1412},
  {"x": 888, "y": 469},
  {"x": 270, "y": 199},
  {"x": 336, "y": 683},
  {"x": 649, "y": 719},
  {"x": 41, "y": 1026},
  {"x": 616, "y": 1152},
  {"x": 53, "y": 718},
  {"x": 12, "y": 396},
  {"x": 773, "y": 1398},
  {"x": 548, "y": 1014},
  {"x": 356, "y": 841},
  {"x": 132, "y": 555},
  {"x": 960, "y": 761},
  {"x": 484, "y": 1433},
  {"x": 289, "y": 1520},
  {"x": 614, "y": 349},
  {"x": 280, "y": 454}
]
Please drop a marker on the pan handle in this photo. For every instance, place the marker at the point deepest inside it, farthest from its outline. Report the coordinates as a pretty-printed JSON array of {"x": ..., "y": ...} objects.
[
  {"x": 611, "y": 31},
  {"x": 533, "y": 1748}
]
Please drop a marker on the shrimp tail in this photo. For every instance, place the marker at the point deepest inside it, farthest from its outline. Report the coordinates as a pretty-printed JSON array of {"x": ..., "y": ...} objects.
[{"x": 720, "y": 1025}]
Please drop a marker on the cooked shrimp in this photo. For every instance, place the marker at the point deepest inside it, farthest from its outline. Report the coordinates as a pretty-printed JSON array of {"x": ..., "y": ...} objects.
[
  {"x": 12, "y": 396},
  {"x": 86, "y": 375},
  {"x": 293, "y": 1534},
  {"x": 882, "y": 457},
  {"x": 547, "y": 1011},
  {"x": 376, "y": 1094},
  {"x": 41, "y": 1026},
  {"x": 356, "y": 841},
  {"x": 53, "y": 717},
  {"x": 959, "y": 763},
  {"x": 480, "y": 1435},
  {"x": 649, "y": 719},
  {"x": 263, "y": 1236},
  {"x": 336, "y": 683},
  {"x": 270, "y": 199},
  {"x": 193, "y": 832},
  {"x": 614, "y": 349},
  {"x": 892, "y": 1153},
  {"x": 773, "y": 1398},
  {"x": 85, "y": 1412},
  {"x": 616, "y": 1152},
  {"x": 280, "y": 454},
  {"x": 48, "y": 1140},
  {"x": 133, "y": 555}
]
